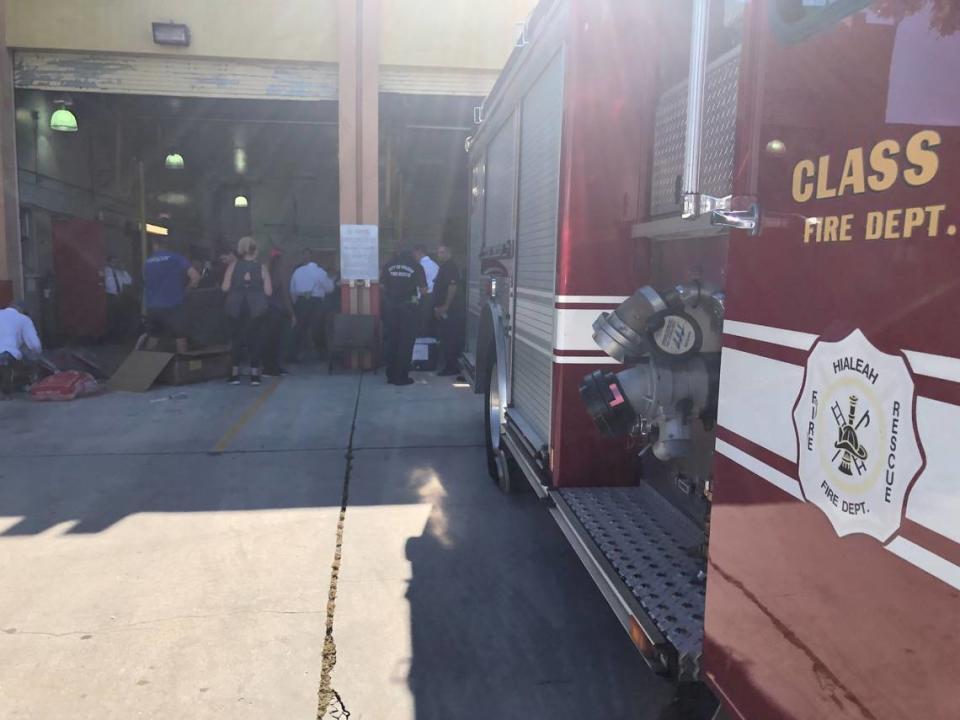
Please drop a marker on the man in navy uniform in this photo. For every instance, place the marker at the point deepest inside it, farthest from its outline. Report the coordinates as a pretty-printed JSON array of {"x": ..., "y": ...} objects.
[
  {"x": 449, "y": 307},
  {"x": 402, "y": 282}
]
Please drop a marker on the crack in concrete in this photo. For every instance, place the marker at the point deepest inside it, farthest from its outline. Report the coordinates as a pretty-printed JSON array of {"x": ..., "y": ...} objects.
[{"x": 328, "y": 699}]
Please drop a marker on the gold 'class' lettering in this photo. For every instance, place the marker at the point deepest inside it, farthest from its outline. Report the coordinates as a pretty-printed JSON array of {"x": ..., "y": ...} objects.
[
  {"x": 925, "y": 161},
  {"x": 917, "y": 163},
  {"x": 883, "y": 164},
  {"x": 854, "y": 176},
  {"x": 803, "y": 175},
  {"x": 823, "y": 170}
]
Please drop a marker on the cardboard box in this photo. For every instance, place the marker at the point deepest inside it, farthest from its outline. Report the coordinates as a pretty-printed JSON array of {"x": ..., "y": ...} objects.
[
  {"x": 197, "y": 366},
  {"x": 425, "y": 354}
]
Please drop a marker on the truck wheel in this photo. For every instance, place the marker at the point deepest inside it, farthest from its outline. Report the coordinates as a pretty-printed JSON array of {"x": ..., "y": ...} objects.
[{"x": 500, "y": 465}]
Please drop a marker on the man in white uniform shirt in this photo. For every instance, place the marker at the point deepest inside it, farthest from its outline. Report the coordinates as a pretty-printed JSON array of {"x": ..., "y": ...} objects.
[
  {"x": 115, "y": 279},
  {"x": 309, "y": 284},
  {"x": 117, "y": 283},
  {"x": 19, "y": 346},
  {"x": 430, "y": 269}
]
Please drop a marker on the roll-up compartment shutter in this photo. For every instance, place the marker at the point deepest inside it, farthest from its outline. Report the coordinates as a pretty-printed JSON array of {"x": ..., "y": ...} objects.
[
  {"x": 540, "y": 140},
  {"x": 499, "y": 225},
  {"x": 495, "y": 229},
  {"x": 474, "y": 295}
]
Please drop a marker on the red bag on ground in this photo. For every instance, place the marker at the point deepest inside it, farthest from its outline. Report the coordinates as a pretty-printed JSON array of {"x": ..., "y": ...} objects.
[{"x": 65, "y": 385}]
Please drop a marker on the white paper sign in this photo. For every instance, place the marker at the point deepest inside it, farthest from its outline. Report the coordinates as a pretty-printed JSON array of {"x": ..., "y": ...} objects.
[
  {"x": 359, "y": 252},
  {"x": 421, "y": 352}
]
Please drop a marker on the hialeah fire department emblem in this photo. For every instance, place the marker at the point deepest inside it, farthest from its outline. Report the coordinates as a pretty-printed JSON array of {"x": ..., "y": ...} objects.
[{"x": 858, "y": 448}]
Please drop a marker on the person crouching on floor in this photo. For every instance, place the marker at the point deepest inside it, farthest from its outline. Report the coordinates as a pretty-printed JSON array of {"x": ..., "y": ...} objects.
[{"x": 19, "y": 347}]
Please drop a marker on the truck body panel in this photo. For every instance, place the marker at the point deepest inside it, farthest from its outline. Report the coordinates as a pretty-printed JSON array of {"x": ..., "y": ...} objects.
[
  {"x": 801, "y": 621},
  {"x": 789, "y": 535}
]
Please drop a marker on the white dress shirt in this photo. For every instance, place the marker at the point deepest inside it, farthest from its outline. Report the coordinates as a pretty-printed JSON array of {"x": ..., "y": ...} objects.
[
  {"x": 114, "y": 281},
  {"x": 17, "y": 331},
  {"x": 310, "y": 280},
  {"x": 430, "y": 269}
]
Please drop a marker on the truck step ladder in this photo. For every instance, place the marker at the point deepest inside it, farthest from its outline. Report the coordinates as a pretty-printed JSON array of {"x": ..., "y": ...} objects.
[{"x": 655, "y": 552}]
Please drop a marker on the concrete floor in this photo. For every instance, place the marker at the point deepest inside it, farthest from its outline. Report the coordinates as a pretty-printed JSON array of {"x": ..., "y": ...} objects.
[{"x": 146, "y": 577}]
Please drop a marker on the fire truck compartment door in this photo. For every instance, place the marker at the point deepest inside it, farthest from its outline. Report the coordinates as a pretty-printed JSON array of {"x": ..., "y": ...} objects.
[
  {"x": 834, "y": 541},
  {"x": 537, "y": 208}
]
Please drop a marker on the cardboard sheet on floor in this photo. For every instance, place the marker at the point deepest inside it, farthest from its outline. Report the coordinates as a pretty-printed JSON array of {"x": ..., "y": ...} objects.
[{"x": 139, "y": 371}]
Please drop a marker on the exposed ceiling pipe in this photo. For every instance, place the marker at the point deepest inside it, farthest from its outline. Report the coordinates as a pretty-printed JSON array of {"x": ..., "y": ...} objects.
[{"x": 232, "y": 121}]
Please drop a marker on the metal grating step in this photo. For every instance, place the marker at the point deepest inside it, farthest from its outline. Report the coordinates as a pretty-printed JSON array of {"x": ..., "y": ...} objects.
[{"x": 652, "y": 547}]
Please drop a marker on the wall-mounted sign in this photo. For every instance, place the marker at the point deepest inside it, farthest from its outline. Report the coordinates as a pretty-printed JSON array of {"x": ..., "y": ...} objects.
[{"x": 359, "y": 252}]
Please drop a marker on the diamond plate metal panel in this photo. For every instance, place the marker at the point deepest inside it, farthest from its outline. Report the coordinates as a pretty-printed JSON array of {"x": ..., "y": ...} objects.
[
  {"x": 669, "y": 129},
  {"x": 719, "y": 133},
  {"x": 652, "y": 547},
  {"x": 719, "y": 130}
]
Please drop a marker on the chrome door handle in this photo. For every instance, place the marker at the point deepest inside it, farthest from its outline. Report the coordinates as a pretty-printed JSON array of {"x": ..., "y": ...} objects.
[{"x": 738, "y": 219}]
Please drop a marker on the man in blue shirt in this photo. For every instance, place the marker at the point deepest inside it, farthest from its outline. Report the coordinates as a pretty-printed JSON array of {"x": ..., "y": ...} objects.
[{"x": 166, "y": 275}]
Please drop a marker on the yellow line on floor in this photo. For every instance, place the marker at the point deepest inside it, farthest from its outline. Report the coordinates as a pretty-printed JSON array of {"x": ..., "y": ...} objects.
[{"x": 224, "y": 442}]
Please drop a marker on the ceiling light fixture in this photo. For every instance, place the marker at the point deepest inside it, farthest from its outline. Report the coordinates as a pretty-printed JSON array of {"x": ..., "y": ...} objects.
[
  {"x": 240, "y": 160},
  {"x": 174, "y": 161},
  {"x": 171, "y": 33},
  {"x": 63, "y": 120},
  {"x": 173, "y": 198},
  {"x": 157, "y": 229},
  {"x": 240, "y": 201}
]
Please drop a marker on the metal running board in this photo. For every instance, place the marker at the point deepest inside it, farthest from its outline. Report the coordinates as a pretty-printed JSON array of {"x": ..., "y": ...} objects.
[{"x": 653, "y": 549}]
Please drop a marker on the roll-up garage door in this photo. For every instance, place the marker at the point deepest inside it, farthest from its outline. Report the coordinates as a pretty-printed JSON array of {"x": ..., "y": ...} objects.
[
  {"x": 540, "y": 137},
  {"x": 419, "y": 80},
  {"x": 178, "y": 76}
]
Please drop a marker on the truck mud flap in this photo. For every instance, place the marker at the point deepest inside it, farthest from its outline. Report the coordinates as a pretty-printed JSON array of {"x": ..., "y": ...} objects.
[
  {"x": 524, "y": 455},
  {"x": 469, "y": 370}
]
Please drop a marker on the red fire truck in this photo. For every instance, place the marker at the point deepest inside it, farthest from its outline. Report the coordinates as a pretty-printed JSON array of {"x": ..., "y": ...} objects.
[{"x": 753, "y": 452}]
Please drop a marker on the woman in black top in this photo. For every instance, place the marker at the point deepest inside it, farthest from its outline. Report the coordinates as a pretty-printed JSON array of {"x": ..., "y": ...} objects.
[{"x": 248, "y": 288}]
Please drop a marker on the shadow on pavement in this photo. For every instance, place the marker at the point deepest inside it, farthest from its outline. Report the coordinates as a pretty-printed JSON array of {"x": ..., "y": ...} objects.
[
  {"x": 505, "y": 622},
  {"x": 97, "y": 492}
]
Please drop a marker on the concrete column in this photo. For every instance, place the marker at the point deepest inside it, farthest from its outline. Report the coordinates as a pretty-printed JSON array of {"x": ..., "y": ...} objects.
[
  {"x": 359, "y": 53},
  {"x": 359, "y": 110},
  {"x": 11, "y": 265}
]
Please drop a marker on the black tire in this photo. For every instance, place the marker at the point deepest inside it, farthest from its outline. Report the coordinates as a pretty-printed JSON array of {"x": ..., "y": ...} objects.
[{"x": 503, "y": 469}]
